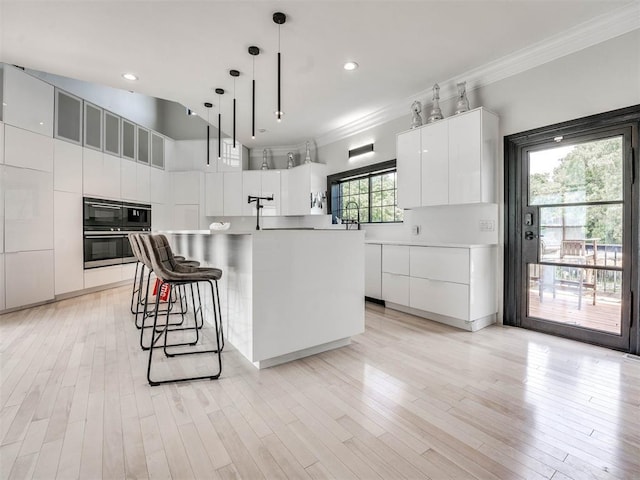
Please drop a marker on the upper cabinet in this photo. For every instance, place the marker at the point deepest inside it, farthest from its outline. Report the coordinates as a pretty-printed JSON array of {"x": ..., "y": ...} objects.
[
  {"x": 144, "y": 140},
  {"x": 111, "y": 134},
  {"x": 92, "y": 127},
  {"x": 128, "y": 140},
  {"x": 449, "y": 162},
  {"x": 68, "y": 121},
  {"x": 28, "y": 102},
  {"x": 305, "y": 188},
  {"x": 261, "y": 183},
  {"x": 157, "y": 150}
]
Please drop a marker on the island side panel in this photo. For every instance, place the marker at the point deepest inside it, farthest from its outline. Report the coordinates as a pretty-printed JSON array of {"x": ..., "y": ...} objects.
[
  {"x": 308, "y": 289},
  {"x": 232, "y": 254}
]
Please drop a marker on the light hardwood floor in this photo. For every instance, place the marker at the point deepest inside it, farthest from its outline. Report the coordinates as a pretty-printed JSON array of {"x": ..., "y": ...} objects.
[{"x": 408, "y": 399}]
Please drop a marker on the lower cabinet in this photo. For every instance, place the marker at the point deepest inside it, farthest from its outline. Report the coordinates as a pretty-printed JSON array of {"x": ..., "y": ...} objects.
[
  {"x": 2, "y": 307},
  {"x": 395, "y": 288},
  {"x": 96, "y": 277},
  {"x": 373, "y": 271},
  {"x": 443, "y": 298},
  {"x": 31, "y": 275},
  {"x": 454, "y": 285},
  {"x": 67, "y": 242}
]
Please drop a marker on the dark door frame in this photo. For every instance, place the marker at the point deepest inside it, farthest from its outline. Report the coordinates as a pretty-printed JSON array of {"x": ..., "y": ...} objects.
[{"x": 626, "y": 117}]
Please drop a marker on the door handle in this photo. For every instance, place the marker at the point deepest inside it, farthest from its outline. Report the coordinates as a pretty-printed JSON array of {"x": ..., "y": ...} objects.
[{"x": 529, "y": 235}]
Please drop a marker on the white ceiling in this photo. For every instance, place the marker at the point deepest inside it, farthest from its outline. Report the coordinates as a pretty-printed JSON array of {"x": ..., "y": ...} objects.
[{"x": 182, "y": 50}]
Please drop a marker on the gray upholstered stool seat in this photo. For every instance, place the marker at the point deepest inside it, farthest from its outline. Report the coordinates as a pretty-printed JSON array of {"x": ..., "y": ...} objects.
[{"x": 170, "y": 272}]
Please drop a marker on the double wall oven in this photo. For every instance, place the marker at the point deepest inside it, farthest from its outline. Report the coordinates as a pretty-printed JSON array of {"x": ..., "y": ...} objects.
[{"x": 106, "y": 226}]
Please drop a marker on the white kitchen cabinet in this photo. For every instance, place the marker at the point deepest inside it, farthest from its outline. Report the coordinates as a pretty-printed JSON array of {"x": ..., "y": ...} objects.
[
  {"x": 143, "y": 183},
  {"x": 186, "y": 217},
  {"x": 28, "y": 197},
  {"x": 285, "y": 192},
  {"x": 261, "y": 183},
  {"x": 92, "y": 167},
  {"x": 435, "y": 164},
  {"x": 449, "y": 162},
  {"x": 2, "y": 193},
  {"x": 68, "y": 242},
  {"x": 440, "y": 263},
  {"x": 128, "y": 271},
  {"x": 408, "y": 167},
  {"x": 68, "y": 117},
  {"x": 128, "y": 180},
  {"x": 395, "y": 288},
  {"x": 28, "y": 102},
  {"x": 1, "y": 143},
  {"x": 395, "y": 259},
  {"x": 161, "y": 215},
  {"x": 301, "y": 183},
  {"x": 159, "y": 186},
  {"x": 26, "y": 149},
  {"x": 92, "y": 132},
  {"x": 473, "y": 148},
  {"x": 373, "y": 271},
  {"x": 233, "y": 194},
  {"x": 214, "y": 194},
  {"x": 186, "y": 188},
  {"x": 31, "y": 275},
  {"x": 67, "y": 166},
  {"x": 96, "y": 277},
  {"x": 251, "y": 185},
  {"x": 444, "y": 298},
  {"x": 135, "y": 182},
  {"x": 395, "y": 274},
  {"x": 100, "y": 174},
  {"x": 2, "y": 305},
  {"x": 111, "y": 176},
  {"x": 270, "y": 182},
  {"x": 112, "y": 132}
]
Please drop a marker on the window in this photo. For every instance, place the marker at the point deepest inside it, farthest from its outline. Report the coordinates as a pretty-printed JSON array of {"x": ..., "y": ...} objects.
[{"x": 367, "y": 194}]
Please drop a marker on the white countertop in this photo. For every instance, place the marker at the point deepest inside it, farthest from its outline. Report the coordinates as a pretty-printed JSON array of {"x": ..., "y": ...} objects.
[{"x": 427, "y": 244}]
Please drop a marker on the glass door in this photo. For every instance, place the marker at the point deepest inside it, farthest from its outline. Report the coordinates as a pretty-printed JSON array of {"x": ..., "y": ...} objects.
[{"x": 575, "y": 239}]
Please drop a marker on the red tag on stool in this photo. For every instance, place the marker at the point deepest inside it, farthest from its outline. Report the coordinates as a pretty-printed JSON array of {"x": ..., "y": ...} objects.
[{"x": 164, "y": 292}]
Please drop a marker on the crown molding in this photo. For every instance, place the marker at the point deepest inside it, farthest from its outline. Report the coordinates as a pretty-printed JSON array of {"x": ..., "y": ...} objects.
[{"x": 605, "y": 27}]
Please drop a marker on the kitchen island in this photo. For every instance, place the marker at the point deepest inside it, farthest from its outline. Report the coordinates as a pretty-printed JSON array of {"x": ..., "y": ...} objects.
[{"x": 285, "y": 294}]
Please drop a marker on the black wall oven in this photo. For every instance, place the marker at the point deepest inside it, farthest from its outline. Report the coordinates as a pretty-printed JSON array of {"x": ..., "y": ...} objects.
[{"x": 107, "y": 224}]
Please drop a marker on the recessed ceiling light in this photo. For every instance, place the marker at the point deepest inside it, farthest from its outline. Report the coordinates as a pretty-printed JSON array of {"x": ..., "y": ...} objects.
[
  {"x": 129, "y": 76},
  {"x": 350, "y": 66}
]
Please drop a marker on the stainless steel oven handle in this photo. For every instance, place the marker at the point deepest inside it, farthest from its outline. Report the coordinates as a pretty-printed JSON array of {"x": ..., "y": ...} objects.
[
  {"x": 105, "y": 236},
  {"x": 112, "y": 207},
  {"x": 135, "y": 207}
]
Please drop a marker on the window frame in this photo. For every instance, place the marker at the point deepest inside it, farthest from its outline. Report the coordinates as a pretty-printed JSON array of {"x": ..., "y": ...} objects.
[{"x": 368, "y": 172}]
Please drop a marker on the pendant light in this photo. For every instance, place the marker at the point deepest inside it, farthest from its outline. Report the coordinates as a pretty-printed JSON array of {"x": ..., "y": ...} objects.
[
  {"x": 219, "y": 91},
  {"x": 279, "y": 18},
  {"x": 208, "y": 106},
  {"x": 235, "y": 74},
  {"x": 254, "y": 51}
]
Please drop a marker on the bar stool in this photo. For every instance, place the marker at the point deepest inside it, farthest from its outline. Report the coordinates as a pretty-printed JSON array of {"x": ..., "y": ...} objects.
[
  {"x": 138, "y": 279},
  {"x": 174, "y": 275}
]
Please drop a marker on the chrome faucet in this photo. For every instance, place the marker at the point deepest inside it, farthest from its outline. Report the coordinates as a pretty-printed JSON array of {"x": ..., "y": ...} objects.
[
  {"x": 348, "y": 222},
  {"x": 252, "y": 199}
]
